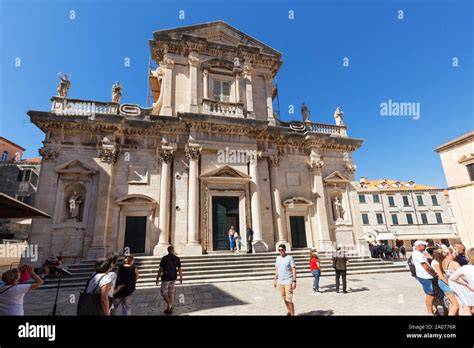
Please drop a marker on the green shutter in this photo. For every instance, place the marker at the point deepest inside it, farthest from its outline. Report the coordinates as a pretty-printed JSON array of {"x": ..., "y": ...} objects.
[
  {"x": 420, "y": 200},
  {"x": 365, "y": 219},
  {"x": 391, "y": 201},
  {"x": 394, "y": 219}
]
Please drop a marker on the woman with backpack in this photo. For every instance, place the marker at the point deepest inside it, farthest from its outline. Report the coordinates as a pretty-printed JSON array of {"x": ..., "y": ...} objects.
[{"x": 125, "y": 286}]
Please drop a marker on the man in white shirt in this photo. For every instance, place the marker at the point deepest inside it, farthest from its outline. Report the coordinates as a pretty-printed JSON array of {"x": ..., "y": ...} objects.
[{"x": 424, "y": 273}]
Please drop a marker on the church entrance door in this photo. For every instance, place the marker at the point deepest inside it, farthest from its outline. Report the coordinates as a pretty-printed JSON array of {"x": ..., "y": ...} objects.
[{"x": 225, "y": 213}]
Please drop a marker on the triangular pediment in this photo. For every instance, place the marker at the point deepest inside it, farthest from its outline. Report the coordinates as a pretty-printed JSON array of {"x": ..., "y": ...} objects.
[
  {"x": 297, "y": 201},
  {"x": 225, "y": 172},
  {"x": 217, "y": 32},
  {"x": 336, "y": 177},
  {"x": 75, "y": 167}
]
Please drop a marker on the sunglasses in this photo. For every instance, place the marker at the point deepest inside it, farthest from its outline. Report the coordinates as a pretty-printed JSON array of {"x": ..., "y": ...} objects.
[{"x": 281, "y": 249}]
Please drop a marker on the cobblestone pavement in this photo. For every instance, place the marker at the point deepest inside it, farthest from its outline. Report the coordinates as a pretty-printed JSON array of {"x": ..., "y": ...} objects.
[{"x": 371, "y": 294}]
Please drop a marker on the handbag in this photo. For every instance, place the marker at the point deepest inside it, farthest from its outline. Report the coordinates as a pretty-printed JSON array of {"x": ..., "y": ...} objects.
[{"x": 89, "y": 302}]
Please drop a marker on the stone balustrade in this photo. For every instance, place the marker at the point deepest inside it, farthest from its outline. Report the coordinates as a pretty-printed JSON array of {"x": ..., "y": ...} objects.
[
  {"x": 214, "y": 107},
  {"x": 64, "y": 106},
  {"x": 327, "y": 129}
]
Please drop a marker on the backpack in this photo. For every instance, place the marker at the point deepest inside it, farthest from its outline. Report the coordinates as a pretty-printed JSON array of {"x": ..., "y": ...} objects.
[{"x": 411, "y": 266}]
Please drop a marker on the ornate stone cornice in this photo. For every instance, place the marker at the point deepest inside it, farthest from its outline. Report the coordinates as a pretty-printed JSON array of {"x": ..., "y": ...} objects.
[
  {"x": 192, "y": 152},
  {"x": 48, "y": 154}
]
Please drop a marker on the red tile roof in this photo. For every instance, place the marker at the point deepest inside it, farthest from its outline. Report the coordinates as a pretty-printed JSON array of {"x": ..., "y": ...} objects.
[{"x": 12, "y": 143}]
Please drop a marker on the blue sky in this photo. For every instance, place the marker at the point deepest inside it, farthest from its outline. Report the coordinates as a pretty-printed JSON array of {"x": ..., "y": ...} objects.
[{"x": 404, "y": 60}]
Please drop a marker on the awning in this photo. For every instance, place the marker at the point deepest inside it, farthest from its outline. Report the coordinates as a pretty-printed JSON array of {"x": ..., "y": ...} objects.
[
  {"x": 13, "y": 208},
  {"x": 385, "y": 236}
]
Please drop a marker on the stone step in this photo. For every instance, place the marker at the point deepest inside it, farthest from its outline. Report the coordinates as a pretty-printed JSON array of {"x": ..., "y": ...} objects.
[
  {"x": 234, "y": 263},
  {"x": 232, "y": 258},
  {"x": 209, "y": 275},
  {"x": 147, "y": 282},
  {"x": 228, "y": 265}
]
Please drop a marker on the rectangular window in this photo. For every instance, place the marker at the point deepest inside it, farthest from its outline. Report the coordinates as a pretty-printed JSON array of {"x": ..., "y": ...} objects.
[
  {"x": 376, "y": 198},
  {"x": 365, "y": 219},
  {"x": 409, "y": 219},
  {"x": 405, "y": 201},
  {"x": 439, "y": 218},
  {"x": 24, "y": 175},
  {"x": 394, "y": 219},
  {"x": 391, "y": 201},
  {"x": 24, "y": 199},
  {"x": 27, "y": 175},
  {"x": 424, "y": 218},
  {"x": 361, "y": 198},
  {"x": 379, "y": 218},
  {"x": 221, "y": 90},
  {"x": 420, "y": 200},
  {"x": 470, "y": 170},
  {"x": 5, "y": 156},
  {"x": 434, "y": 199}
]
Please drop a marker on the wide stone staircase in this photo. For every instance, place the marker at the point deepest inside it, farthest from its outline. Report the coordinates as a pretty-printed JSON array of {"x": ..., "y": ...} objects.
[{"x": 226, "y": 267}]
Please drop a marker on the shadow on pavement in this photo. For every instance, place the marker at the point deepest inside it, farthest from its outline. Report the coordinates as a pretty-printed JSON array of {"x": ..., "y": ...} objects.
[{"x": 320, "y": 313}]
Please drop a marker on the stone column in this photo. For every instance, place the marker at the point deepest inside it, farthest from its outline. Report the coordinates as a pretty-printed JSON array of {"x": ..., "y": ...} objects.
[
  {"x": 268, "y": 93},
  {"x": 278, "y": 214},
  {"x": 193, "y": 246},
  {"x": 237, "y": 88},
  {"x": 258, "y": 244},
  {"x": 320, "y": 205},
  {"x": 205, "y": 84},
  {"x": 248, "y": 91},
  {"x": 167, "y": 65},
  {"x": 108, "y": 154},
  {"x": 166, "y": 156},
  {"x": 193, "y": 64}
]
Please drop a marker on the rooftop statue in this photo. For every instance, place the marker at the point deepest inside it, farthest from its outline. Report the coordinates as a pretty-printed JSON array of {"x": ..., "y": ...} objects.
[
  {"x": 305, "y": 112},
  {"x": 338, "y": 116},
  {"x": 116, "y": 92},
  {"x": 63, "y": 85}
]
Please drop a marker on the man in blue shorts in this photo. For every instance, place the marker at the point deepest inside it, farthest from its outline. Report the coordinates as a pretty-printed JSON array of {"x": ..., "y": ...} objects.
[{"x": 424, "y": 273}]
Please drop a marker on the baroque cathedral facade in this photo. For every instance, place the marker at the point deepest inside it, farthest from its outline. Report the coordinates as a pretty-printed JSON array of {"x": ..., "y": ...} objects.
[{"x": 209, "y": 154}]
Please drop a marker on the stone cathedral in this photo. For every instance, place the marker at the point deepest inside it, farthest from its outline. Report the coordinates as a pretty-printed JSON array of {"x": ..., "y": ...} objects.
[{"x": 209, "y": 154}]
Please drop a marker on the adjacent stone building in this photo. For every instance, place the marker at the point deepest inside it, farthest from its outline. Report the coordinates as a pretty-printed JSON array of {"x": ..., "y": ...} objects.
[
  {"x": 19, "y": 179},
  {"x": 457, "y": 158},
  {"x": 394, "y": 211},
  {"x": 209, "y": 154}
]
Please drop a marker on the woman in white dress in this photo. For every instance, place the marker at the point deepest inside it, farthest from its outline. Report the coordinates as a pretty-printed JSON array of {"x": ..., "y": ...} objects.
[{"x": 462, "y": 282}]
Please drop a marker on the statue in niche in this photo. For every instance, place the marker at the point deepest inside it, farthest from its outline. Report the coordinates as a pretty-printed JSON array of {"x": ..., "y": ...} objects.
[
  {"x": 305, "y": 112},
  {"x": 75, "y": 202},
  {"x": 63, "y": 85},
  {"x": 338, "y": 209},
  {"x": 116, "y": 92},
  {"x": 338, "y": 116}
]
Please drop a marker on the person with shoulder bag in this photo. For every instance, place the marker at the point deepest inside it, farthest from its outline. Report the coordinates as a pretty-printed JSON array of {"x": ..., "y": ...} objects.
[{"x": 98, "y": 294}]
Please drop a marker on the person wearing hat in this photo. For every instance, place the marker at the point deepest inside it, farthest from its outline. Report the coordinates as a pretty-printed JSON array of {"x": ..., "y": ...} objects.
[{"x": 424, "y": 273}]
